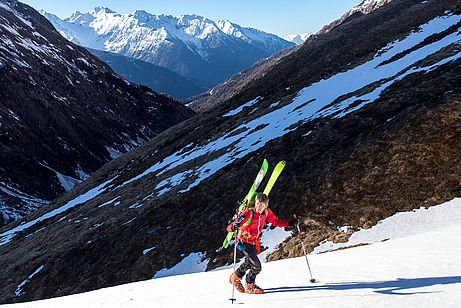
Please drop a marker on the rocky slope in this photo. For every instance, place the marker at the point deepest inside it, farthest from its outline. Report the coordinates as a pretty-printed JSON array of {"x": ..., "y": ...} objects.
[
  {"x": 367, "y": 116},
  {"x": 364, "y": 7},
  {"x": 204, "y": 51},
  {"x": 233, "y": 85},
  {"x": 63, "y": 112}
]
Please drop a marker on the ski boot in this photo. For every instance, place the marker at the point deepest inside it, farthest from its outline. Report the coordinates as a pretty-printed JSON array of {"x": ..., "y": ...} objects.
[
  {"x": 237, "y": 282},
  {"x": 252, "y": 288}
]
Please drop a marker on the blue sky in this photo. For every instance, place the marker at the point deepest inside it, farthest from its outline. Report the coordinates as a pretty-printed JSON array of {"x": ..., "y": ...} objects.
[{"x": 274, "y": 16}]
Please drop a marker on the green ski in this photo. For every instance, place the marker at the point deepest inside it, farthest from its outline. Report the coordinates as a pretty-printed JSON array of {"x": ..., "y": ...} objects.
[
  {"x": 274, "y": 176},
  {"x": 259, "y": 178}
]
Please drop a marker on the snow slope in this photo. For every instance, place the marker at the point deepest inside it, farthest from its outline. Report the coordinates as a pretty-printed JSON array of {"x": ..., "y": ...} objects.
[{"x": 399, "y": 272}]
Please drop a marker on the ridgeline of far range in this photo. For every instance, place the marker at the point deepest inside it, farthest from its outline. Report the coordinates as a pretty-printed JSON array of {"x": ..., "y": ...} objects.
[{"x": 202, "y": 51}]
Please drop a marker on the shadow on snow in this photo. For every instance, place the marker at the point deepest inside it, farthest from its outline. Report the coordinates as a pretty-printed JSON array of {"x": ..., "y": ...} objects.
[{"x": 384, "y": 287}]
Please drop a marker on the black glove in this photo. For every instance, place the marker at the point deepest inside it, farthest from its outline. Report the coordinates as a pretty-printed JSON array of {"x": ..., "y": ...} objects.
[
  {"x": 293, "y": 220},
  {"x": 237, "y": 223},
  {"x": 235, "y": 226}
]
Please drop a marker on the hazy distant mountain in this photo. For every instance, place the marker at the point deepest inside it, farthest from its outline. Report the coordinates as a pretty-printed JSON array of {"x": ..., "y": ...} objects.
[
  {"x": 157, "y": 78},
  {"x": 204, "y": 51}
]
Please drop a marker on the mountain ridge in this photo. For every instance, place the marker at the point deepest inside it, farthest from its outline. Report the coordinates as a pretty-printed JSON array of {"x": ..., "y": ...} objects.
[{"x": 199, "y": 46}]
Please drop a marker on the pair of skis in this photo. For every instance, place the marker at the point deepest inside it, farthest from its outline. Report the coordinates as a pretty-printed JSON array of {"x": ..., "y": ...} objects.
[{"x": 253, "y": 191}]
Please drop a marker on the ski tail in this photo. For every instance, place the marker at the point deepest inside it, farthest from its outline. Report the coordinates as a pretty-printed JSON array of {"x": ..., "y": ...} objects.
[
  {"x": 274, "y": 176},
  {"x": 259, "y": 178}
]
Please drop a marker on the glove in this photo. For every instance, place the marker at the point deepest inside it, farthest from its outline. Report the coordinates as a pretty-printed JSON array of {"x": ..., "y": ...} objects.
[
  {"x": 293, "y": 220},
  {"x": 235, "y": 226},
  {"x": 237, "y": 223}
]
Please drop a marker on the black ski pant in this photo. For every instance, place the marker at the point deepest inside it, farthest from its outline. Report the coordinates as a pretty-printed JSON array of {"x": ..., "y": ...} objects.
[{"x": 251, "y": 263}]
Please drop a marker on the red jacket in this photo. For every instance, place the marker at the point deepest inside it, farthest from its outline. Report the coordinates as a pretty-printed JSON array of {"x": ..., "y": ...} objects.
[{"x": 250, "y": 233}]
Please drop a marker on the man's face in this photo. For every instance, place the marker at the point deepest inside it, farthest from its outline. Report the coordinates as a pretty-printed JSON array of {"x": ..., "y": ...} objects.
[{"x": 260, "y": 206}]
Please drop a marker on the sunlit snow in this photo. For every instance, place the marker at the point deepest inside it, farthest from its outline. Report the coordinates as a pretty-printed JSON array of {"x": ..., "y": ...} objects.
[{"x": 400, "y": 272}]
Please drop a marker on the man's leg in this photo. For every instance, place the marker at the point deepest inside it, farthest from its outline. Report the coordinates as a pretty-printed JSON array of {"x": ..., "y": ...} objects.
[
  {"x": 244, "y": 267},
  {"x": 251, "y": 262}
]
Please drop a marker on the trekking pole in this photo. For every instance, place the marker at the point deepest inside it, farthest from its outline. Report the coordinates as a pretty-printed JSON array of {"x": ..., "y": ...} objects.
[
  {"x": 232, "y": 299},
  {"x": 305, "y": 254}
]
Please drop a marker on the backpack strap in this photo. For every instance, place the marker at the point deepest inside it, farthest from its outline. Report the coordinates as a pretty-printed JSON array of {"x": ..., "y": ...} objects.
[
  {"x": 251, "y": 217},
  {"x": 252, "y": 210}
]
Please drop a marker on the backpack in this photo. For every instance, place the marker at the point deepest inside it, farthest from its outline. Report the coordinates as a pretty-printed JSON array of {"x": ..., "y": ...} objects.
[{"x": 249, "y": 205}]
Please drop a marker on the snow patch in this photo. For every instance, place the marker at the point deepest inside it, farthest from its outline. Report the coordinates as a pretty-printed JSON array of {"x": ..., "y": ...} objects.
[
  {"x": 113, "y": 153},
  {"x": 67, "y": 182},
  {"x": 81, "y": 174},
  {"x": 402, "y": 225},
  {"x": 240, "y": 108},
  {"x": 272, "y": 238},
  {"x": 109, "y": 202},
  {"x": 8, "y": 235},
  {"x": 19, "y": 290},
  {"x": 146, "y": 251},
  {"x": 194, "y": 262}
]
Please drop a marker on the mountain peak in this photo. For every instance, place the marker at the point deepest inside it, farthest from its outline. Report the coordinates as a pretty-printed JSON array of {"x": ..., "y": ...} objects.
[
  {"x": 100, "y": 9},
  {"x": 297, "y": 38},
  {"x": 229, "y": 27},
  {"x": 141, "y": 14},
  {"x": 192, "y": 18}
]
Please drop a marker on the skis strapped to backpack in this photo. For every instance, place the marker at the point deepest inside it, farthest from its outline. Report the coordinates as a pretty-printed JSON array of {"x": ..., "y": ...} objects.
[{"x": 248, "y": 201}]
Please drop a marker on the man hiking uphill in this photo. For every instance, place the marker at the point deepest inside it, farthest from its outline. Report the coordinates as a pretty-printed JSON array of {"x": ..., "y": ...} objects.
[{"x": 249, "y": 226}]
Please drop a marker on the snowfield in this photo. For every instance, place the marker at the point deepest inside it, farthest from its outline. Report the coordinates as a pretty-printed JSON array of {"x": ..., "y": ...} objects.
[{"x": 419, "y": 270}]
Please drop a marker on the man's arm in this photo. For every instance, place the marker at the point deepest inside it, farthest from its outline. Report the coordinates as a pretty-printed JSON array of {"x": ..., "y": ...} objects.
[
  {"x": 275, "y": 221},
  {"x": 241, "y": 219}
]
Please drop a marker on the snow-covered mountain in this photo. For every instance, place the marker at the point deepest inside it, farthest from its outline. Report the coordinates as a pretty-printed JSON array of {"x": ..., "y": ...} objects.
[
  {"x": 408, "y": 268},
  {"x": 63, "y": 112},
  {"x": 367, "y": 6},
  {"x": 297, "y": 38},
  {"x": 366, "y": 116},
  {"x": 198, "y": 48}
]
